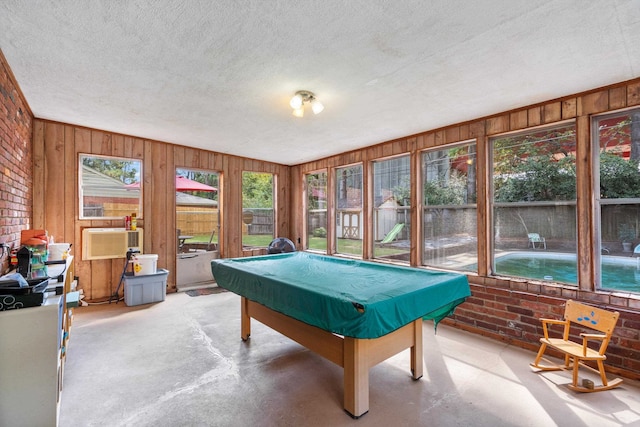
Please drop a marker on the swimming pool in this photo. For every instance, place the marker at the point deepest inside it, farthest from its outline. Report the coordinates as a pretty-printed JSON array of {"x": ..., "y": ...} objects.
[{"x": 618, "y": 273}]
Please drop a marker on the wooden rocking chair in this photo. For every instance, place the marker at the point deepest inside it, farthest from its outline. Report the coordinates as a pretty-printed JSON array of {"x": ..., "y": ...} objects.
[{"x": 575, "y": 353}]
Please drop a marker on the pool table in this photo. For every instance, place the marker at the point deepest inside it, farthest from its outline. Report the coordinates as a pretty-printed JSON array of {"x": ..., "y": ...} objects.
[{"x": 354, "y": 313}]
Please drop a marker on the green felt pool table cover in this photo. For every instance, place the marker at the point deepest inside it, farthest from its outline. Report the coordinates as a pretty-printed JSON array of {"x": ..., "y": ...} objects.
[{"x": 353, "y": 298}]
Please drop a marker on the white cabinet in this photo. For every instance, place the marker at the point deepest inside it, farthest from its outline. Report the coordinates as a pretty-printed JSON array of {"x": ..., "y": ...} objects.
[
  {"x": 30, "y": 366},
  {"x": 32, "y": 342}
]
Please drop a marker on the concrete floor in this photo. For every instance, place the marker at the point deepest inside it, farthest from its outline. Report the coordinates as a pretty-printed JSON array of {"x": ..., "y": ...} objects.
[{"x": 181, "y": 363}]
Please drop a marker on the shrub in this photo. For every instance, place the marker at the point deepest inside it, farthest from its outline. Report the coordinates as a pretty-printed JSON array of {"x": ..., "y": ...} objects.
[{"x": 320, "y": 232}]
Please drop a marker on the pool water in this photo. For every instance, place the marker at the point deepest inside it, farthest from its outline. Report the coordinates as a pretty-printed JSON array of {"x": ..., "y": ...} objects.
[{"x": 618, "y": 273}]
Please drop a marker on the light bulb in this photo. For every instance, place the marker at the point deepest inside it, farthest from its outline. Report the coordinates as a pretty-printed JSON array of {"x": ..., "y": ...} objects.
[
  {"x": 317, "y": 106},
  {"x": 298, "y": 112},
  {"x": 296, "y": 102}
]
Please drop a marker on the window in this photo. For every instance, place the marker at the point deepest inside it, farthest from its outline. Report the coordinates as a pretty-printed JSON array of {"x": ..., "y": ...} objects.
[
  {"x": 257, "y": 209},
  {"x": 317, "y": 211},
  {"x": 391, "y": 212},
  {"x": 348, "y": 229},
  {"x": 617, "y": 141},
  {"x": 109, "y": 187},
  {"x": 449, "y": 215},
  {"x": 534, "y": 204},
  {"x": 197, "y": 210}
]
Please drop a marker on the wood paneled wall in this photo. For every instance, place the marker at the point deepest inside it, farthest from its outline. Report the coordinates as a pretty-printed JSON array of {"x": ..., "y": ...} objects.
[
  {"x": 503, "y": 308},
  {"x": 56, "y": 147},
  {"x": 578, "y": 108}
]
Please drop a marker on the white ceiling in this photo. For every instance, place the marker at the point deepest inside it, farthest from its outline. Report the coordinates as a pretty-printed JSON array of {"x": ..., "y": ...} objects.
[{"x": 219, "y": 74}]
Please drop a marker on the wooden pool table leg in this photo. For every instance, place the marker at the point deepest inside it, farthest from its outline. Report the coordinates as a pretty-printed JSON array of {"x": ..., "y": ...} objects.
[
  {"x": 245, "y": 319},
  {"x": 356, "y": 377},
  {"x": 416, "y": 350}
]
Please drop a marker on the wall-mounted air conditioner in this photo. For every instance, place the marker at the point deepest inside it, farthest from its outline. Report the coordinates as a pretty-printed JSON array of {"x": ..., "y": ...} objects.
[{"x": 108, "y": 243}]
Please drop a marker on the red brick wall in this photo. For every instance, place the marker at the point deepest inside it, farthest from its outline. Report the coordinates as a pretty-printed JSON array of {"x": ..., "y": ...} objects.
[
  {"x": 504, "y": 311},
  {"x": 16, "y": 185}
]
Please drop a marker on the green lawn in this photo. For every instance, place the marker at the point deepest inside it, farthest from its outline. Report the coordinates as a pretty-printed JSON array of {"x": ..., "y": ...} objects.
[
  {"x": 258, "y": 241},
  {"x": 345, "y": 246},
  {"x": 352, "y": 247},
  {"x": 247, "y": 240},
  {"x": 202, "y": 238}
]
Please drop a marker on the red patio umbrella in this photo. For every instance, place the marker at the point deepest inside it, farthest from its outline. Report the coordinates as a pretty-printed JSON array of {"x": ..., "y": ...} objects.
[
  {"x": 183, "y": 184},
  {"x": 186, "y": 184}
]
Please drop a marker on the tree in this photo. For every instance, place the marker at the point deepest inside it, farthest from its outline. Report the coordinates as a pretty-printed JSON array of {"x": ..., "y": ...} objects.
[
  {"x": 451, "y": 176},
  {"x": 402, "y": 191},
  {"x": 535, "y": 167},
  {"x": 257, "y": 190},
  {"x": 540, "y": 178},
  {"x": 635, "y": 135},
  {"x": 619, "y": 178},
  {"x": 446, "y": 192},
  {"x": 316, "y": 191},
  {"x": 122, "y": 170}
]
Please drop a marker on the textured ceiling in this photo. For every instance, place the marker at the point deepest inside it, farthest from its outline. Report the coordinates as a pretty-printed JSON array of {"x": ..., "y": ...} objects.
[{"x": 218, "y": 75}]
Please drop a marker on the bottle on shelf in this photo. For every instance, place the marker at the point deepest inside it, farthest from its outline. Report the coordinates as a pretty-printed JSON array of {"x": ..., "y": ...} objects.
[{"x": 134, "y": 221}]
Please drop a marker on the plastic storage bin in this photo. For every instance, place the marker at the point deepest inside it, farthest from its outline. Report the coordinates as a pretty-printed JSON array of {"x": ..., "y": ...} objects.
[
  {"x": 144, "y": 264},
  {"x": 145, "y": 289}
]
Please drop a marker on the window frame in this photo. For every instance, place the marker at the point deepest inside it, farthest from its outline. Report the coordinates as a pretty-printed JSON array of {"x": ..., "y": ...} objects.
[
  {"x": 307, "y": 231},
  {"x": 424, "y": 206},
  {"x": 599, "y": 201},
  {"x": 375, "y": 208},
  {"x": 82, "y": 188},
  {"x": 492, "y": 204},
  {"x": 274, "y": 209},
  {"x": 337, "y": 221}
]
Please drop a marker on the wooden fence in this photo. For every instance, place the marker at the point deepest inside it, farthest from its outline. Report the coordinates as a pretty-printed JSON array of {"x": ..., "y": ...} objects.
[{"x": 194, "y": 221}]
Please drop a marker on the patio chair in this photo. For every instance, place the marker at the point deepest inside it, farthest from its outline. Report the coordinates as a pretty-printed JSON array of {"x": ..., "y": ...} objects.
[
  {"x": 576, "y": 353},
  {"x": 534, "y": 238}
]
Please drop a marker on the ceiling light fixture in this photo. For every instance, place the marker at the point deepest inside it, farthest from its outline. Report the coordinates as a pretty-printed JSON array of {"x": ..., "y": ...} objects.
[{"x": 300, "y": 98}]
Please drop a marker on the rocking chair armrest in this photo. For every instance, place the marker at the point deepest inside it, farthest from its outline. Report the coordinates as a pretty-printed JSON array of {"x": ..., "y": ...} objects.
[
  {"x": 585, "y": 340},
  {"x": 593, "y": 336},
  {"x": 546, "y": 322},
  {"x": 554, "y": 321}
]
